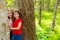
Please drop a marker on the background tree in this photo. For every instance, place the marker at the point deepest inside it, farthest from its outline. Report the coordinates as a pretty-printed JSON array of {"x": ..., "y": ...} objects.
[
  {"x": 41, "y": 4},
  {"x": 48, "y": 5},
  {"x": 55, "y": 13}
]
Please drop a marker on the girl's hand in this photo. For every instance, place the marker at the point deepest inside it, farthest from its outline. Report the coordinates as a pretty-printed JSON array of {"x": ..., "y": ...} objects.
[
  {"x": 9, "y": 22},
  {"x": 17, "y": 28}
]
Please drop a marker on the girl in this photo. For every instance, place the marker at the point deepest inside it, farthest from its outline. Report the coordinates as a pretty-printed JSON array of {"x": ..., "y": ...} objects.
[
  {"x": 17, "y": 26},
  {"x": 10, "y": 12}
]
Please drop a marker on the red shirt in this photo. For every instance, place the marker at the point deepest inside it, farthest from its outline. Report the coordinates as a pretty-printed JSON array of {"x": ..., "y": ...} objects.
[{"x": 15, "y": 24}]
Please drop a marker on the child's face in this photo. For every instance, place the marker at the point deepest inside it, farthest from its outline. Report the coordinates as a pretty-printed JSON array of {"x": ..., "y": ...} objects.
[
  {"x": 16, "y": 15},
  {"x": 10, "y": 13}
]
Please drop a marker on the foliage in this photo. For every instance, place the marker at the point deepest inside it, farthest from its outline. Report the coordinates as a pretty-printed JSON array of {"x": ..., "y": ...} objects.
[
  {"x": 44, "y": 32},
  {"x": 10, "y": 3}
]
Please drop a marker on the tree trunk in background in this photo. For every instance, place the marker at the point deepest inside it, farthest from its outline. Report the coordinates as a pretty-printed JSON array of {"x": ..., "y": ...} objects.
[
  {"x": 26, "y": 8},
  {"x": 48, "y": 4},
  {"x": 4, "y": 29},
  {"x": 34, "y": 2},
  {"x": 55, "y": 13},
  {"x": 40, "y": 11},
  {"x": 43, "y": 4}
]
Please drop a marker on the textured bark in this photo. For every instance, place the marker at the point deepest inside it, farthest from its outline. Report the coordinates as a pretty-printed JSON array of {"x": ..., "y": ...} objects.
[
  {"x": 4, "y": 29},
  {"x": 26, "y": 8}
]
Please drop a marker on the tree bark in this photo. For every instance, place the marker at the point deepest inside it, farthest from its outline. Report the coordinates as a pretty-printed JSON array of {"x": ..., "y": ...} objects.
[
  {"x": 26, "y": 8},
  {"x": 4, "y": 29}
]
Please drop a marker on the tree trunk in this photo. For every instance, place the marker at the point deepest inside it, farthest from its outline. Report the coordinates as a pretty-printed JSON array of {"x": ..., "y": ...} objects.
[
  {"x": 4, "y": 29},
  {"x": 48, "y": 4},
  {"x": 55, "y": 13},
  {"x": 40, "y": 11},
  {"x": 26, "y": 8},
  {"x": 42, "y": 3}
]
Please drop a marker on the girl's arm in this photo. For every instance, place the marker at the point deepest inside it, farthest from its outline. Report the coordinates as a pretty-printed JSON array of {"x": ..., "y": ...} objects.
[{"x": 17, "y": 28}]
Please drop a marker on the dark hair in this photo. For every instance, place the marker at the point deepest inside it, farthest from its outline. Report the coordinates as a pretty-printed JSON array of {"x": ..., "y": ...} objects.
[{"x": 18, "y": 13}]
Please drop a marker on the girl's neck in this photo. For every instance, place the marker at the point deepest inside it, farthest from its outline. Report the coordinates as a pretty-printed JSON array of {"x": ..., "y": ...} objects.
[{"x": 17, "y": 18}]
